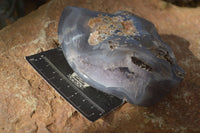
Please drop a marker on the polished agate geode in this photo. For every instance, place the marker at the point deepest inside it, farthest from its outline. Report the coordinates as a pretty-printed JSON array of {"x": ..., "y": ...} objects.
[{"x": 120, "y": 54}]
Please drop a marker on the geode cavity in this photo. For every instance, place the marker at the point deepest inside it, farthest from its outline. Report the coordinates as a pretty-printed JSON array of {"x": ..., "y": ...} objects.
[{"x": 120, "y": 54}]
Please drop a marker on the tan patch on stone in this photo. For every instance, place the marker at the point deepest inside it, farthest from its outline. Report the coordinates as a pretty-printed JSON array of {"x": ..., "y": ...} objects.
[{"x": 104, "y": 26}]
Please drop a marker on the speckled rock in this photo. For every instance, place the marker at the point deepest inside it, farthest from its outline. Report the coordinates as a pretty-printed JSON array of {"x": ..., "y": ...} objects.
[{"x": 29, "y": 104}]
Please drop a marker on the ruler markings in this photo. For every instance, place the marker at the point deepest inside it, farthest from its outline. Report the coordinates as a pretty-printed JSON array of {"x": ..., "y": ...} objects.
[{"x": 51, "y": 66}]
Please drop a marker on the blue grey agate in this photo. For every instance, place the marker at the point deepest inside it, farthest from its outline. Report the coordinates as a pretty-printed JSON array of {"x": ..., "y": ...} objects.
[{"x": 120, "y": 54}]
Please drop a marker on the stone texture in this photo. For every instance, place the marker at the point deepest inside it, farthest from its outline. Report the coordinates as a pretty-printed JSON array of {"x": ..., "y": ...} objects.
[{"x": 29, "y": 104}]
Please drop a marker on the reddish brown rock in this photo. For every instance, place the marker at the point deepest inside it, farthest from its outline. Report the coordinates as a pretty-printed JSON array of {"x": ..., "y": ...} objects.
[{"x": 29, "y": 104}]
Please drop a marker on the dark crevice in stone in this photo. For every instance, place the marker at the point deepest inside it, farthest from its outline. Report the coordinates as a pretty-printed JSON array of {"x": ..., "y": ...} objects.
[
  {"x": 125, "y": 69},
  {"x": 165, "y": 56},
  {"x": 32, "y": 113},
  {"x": 141, "y": 64},
  {"x": 49, "y": 126},
  {"x": 185, "y": 3},
  {"x": 36, "y": 130},
  {"x": 56, "y": 43}
]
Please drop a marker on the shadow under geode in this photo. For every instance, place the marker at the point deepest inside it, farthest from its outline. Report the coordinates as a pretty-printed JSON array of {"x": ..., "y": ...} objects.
[
  {"x": 180, "y": 108},
  {"x": 182, "y": 104}
]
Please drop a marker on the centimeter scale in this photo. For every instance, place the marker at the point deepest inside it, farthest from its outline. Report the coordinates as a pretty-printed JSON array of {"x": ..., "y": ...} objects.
[{"x": 90, "y": 102}]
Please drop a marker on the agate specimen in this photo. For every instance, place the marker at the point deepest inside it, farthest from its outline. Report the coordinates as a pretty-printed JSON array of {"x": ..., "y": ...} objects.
[{"x": 120, "y": 54}]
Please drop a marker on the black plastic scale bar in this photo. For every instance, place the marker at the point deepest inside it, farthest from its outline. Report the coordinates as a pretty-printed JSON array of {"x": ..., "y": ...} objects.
[{"x": 90, "y": 102}]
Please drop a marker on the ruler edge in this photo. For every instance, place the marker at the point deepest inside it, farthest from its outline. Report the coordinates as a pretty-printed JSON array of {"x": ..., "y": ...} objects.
[{"x": 61, "y": 94}]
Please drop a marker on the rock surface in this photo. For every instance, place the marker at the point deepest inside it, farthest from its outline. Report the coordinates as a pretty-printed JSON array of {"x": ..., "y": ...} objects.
[{"x": 29, "y": 104}]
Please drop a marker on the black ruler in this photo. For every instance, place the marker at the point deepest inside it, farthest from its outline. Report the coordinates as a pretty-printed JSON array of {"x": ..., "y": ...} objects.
[{"x": 90, "y": 102}]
